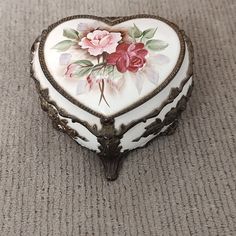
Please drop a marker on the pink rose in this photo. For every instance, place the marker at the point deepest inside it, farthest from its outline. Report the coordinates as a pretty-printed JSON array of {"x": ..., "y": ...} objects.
[
  {"x": 100, "y": 41},
  {"x": 128, "y": 56}
]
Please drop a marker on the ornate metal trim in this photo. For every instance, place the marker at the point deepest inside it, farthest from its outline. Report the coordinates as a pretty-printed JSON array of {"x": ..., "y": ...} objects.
[
  {"x": 59, "y": 124},
  {"x": 155, "y": 127}
]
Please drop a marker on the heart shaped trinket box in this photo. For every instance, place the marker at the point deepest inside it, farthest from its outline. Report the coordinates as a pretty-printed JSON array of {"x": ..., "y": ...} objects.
[{"x": 115, "y": 83}]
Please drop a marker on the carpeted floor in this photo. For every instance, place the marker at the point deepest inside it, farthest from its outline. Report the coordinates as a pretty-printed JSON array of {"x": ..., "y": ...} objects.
[{"x": 184, "y": 184}]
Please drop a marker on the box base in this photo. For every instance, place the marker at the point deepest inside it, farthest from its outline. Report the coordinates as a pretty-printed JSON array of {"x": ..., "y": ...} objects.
[
  {"x": 113, "y": 163},
  {"x": 109, "y": 150}
]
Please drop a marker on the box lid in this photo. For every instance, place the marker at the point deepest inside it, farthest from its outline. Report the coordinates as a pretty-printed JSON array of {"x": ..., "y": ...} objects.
[{"x": 110, "y": 66}]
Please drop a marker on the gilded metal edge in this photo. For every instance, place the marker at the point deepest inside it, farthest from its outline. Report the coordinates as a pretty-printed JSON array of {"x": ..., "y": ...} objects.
[
  {"x": 156, "y": 126},
  {"x": 110, "y": 21},
  {"x": 58, "y": 123}
]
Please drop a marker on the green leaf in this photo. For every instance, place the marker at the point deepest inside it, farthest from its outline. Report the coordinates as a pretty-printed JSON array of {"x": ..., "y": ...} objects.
[
  {"x": 131, "y": 32},
  {"x": 149, "y": 33},
  {"x": 83, "y": 63},
  {"x": 98, "y": 66},
  {"x": 156, "y": 45},
  {"x": 82, "y": 71},
  {"x": 109, "y": 69},
  {"x": 64, "y": 45},
  {"x": 70, "y": 33},
  {"x": 135, "y": 32}
]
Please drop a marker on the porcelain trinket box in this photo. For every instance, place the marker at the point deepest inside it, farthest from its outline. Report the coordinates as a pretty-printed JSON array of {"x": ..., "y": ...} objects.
[{"x": 115, "y": 83}]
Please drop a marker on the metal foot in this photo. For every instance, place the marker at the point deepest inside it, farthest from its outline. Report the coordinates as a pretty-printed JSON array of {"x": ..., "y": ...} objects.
[{"x": 112, "y": 166}]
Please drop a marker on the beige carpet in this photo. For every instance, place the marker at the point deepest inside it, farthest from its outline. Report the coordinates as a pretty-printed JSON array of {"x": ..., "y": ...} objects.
[{"x": 184, "y": 184}]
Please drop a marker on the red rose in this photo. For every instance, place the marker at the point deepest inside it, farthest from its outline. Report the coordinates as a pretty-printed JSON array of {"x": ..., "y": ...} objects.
[{"x": 128, "y": 56}]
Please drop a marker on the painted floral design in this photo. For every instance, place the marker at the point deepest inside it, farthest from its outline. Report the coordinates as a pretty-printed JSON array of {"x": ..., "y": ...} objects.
[{"x": 110, "y": 57}]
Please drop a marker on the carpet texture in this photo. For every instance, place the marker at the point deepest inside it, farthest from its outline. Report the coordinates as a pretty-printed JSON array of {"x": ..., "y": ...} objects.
[{"x": 184, "y": 184}]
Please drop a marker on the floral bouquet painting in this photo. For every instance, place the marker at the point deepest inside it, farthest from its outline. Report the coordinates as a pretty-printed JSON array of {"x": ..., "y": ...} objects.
[{"x": 110, "y": 57}]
